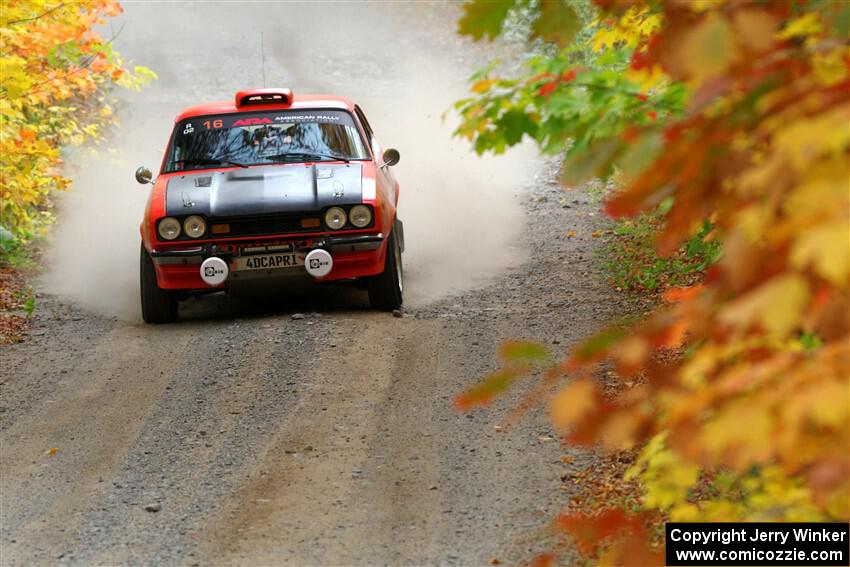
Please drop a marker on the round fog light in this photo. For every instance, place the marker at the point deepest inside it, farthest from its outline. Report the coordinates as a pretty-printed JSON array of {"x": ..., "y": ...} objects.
[
  {"x": 335, "y": 218},
  {"x": 360, "y": 216},
  {"x": 194, "y": 226},
  {"x": 214, "y": 271},
  {"x": 169, "y": 228},
  {"x": 318, "y": 263}
]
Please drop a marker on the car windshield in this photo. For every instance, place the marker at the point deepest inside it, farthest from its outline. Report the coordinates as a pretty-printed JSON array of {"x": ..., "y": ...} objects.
[{"x": 244, "y": 139}]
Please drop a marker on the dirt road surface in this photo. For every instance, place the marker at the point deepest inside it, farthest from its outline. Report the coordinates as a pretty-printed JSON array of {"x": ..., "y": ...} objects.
[{"x": 298, "y": 428}]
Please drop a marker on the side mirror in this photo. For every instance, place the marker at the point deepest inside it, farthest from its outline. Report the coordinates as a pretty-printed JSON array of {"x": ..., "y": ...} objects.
[
  {"x": 391, "y": 157},
  {"x": 144, "y": 175}
]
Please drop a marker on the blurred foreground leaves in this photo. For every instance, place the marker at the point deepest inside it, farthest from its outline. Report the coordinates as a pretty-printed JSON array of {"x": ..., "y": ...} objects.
[{"x": 728, "y": 120}]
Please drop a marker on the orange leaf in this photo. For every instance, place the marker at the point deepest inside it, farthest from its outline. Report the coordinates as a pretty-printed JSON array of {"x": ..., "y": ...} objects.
[
  {"x": 542, "y": 560},
  {"x": 679, "y": 294},
  {"x": 572, "y": 403},
  {"x": 672, "y": 336},
  {"x": 589, "y": 532},
  {"x": 631, "y": 353}
]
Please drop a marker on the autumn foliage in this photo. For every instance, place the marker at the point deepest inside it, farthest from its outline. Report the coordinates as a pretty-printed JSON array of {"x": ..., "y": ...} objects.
[
  {"x": 735, "y": 390},
  {"x": 56, "y": 66}
]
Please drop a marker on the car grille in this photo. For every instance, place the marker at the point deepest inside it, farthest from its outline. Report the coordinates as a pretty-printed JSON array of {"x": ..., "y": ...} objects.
[{"x": 262, "y": 226}]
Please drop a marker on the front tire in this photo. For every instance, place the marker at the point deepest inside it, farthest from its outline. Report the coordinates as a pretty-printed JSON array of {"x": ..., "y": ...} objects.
[
  {"x": 158, "y": 305},
  {"x": 386, "y": 290}
]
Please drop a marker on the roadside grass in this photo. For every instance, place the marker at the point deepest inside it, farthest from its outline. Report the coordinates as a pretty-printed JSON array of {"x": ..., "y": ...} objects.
[
  {"x": 632, "y": 263},
  {"x": 18, "y": 262},
  {"x": 629, "y": 257},
  {"x": 16, "y": 254}
]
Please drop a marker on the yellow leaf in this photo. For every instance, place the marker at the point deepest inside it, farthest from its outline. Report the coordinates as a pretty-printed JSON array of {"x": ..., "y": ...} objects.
[
  {"x": 647, "y": 78},
  {"x": 777, "y": 306},
  {"x": 827, "y": 249},
  {"x": 830, "y": 67},
  {"x": 628, "y": 31},
  {"x": 753, "y": 220},
  {"x": 737, "y": 434},
  {"x": 807, "y": 24},
  {"x": 482, "y": 86},
  {"x": 666, "y": 477},
  {"x": 825, "y": 134},
  {"x": 824, "y": 404},
  {"x": 684, "y": 512},
  {"x": 722, "y": 511},
  {"x": 821, "y": 194},
  {"x": 91, "y": 130}
]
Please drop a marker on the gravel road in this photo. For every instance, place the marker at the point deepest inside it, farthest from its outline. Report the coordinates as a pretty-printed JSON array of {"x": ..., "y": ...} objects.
[{"x": 300, "y": 428}]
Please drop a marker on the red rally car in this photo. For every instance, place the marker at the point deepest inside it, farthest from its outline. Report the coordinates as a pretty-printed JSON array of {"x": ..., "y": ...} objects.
[{"x": 270, "y": 186}]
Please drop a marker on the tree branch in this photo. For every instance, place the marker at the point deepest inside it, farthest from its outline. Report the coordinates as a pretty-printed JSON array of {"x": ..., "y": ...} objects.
[{"x": 34, "y": 18}]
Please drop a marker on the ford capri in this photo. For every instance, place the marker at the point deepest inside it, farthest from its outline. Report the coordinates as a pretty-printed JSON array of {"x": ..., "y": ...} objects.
[{"x": 270, "y": 186}]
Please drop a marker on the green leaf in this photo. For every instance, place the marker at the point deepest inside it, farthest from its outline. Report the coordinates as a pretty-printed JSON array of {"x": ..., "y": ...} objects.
[
  {"x": 598, "y": 343},
  {"x": 641, "y": 153},
  {"x": 524, "y": 351},
  {"x": 597, "y": 160},
  {"x": 484, "y": 17},
  {"x": 514, "y": 123},
  {"x": 483, "y": 393},
  {"x": 557, "y": 23}
]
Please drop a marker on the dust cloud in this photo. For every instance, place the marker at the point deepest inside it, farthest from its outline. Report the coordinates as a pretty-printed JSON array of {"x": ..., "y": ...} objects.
[{"x": 401, "y": 62}]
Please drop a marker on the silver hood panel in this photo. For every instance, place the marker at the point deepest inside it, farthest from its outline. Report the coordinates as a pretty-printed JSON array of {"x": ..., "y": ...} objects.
[{"x": 264, "y": 190}]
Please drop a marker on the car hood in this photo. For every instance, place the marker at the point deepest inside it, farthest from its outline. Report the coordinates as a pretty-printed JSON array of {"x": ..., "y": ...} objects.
[{"x": 264, "y": 190}]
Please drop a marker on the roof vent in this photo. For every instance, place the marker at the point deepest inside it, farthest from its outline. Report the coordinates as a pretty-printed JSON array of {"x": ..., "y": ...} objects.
[{"x": 256, "y": 97}]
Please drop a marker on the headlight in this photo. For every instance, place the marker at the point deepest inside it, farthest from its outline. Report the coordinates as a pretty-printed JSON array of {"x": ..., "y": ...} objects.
[
  {"x": 360, "y": 216},
  {"x": 194, "y": 226},
  {"x": 335, "y": 218},
  {"x": 169, "y": 228}
]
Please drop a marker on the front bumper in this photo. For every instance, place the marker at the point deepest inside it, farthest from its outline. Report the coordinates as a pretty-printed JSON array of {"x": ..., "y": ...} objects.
[{"x": 355, "y": 256}]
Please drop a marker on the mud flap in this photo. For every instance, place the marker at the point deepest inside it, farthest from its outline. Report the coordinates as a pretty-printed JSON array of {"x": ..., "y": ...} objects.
[{"x": 398, "y": 228}]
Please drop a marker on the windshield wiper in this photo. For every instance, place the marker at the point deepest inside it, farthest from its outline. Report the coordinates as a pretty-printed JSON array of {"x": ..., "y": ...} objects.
[
  {"x": 306, "y": 156},
  {"x": 210, "y": 161}
]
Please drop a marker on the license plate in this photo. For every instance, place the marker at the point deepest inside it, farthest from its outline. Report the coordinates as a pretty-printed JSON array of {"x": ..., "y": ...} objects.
[{"x": 269, "y": 261}]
